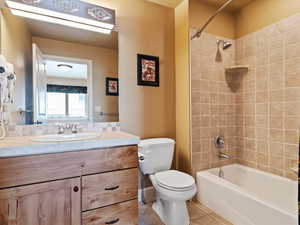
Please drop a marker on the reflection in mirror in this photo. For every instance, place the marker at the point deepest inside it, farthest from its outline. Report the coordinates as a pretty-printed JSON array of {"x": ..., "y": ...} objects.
[
  {"x": 61, "y": 71},
  {"x": 67, "y": 88}
]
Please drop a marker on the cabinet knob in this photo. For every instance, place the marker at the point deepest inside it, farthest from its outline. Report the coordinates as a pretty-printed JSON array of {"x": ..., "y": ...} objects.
[
  {"x": 112, "y": 222},
  {"x": 76, "y": 189}
]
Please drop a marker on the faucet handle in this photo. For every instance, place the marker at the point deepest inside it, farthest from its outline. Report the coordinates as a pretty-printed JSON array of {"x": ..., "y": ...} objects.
[
  {"x": 219, "y": 141},
  {"x": 61, "y": 128},
  {"x": 75, "y": 128}
]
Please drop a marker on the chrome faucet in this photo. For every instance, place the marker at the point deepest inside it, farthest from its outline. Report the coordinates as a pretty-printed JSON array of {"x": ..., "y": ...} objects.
[
  {"x": 63, "y": 127},
  {"x": 74, "y": 128},
  {"x": 223, "y": 156},
  {"x": 219, "y": 142}
]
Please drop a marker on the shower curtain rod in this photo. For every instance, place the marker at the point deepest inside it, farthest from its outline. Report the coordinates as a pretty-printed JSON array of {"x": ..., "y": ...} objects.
[{"x": 199, "y": 32}]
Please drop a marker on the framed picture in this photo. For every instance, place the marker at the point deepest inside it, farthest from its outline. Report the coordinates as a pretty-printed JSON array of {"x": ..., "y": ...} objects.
[
  {"x": 112, "y": 86},
  {"x": 148, "y": 70}
]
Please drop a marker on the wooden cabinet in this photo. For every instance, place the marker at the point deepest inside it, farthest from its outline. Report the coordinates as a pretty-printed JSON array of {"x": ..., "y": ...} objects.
[
  {"x": 109, "y": 188},
  {"x": 119, "y": 214},
  {"x": 7, "y": 216},
  {"x": 91, "y": 187},
  {"x": 49, "y": 203},
  {"x": 42, "y": 168}
]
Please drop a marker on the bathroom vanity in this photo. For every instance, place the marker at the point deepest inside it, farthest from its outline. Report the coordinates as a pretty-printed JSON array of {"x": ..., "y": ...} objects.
[{"x": 69, "y": 183}]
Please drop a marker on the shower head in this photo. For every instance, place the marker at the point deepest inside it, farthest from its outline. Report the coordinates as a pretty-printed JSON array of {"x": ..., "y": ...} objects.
[{"x": 226, "y": 44}]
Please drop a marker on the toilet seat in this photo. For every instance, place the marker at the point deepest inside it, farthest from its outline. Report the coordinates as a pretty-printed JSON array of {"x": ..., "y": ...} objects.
[{"x": 175, "y": 180}]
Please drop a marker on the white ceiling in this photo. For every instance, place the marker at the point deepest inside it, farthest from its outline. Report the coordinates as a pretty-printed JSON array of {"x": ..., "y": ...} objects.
[
  {"x": 235, "y": 5},
  {"x": 79, "y": 71},
  {"x": 168, "y": 3}
]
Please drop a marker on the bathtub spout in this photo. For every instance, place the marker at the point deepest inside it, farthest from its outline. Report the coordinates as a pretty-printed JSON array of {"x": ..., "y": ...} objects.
[{"x": 223, "y": 156}]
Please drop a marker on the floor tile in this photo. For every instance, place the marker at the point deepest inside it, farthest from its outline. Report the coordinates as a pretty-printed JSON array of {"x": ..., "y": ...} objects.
[
  {"x": 196, "y": 212},
  {"x": 199, "y": 215},
  {"x": 148, "y": 216},
  {"x": 206, "y": 220},
  {"x": 220, "y": 219}
]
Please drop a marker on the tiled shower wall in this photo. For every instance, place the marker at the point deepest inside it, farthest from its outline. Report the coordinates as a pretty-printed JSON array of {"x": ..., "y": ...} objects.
[
  {"x": 213, "y": 103},
  {"x": 269, "y": 98},
  {"x": 258, "y": 112}
]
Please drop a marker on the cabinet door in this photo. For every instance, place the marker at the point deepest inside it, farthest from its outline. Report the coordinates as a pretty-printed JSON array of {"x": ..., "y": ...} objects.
[
  {"x": 49, "y": 203},
  {"x": 8, "y": 214}
]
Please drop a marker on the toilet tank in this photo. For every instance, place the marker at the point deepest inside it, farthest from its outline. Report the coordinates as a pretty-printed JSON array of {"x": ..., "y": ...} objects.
[{"x": 156, "y": 155}]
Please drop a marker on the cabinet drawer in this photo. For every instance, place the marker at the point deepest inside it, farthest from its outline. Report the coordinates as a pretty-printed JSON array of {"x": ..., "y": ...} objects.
[
  {"x": 125, "y": 213},
  {"x": 109, "y": 188}
]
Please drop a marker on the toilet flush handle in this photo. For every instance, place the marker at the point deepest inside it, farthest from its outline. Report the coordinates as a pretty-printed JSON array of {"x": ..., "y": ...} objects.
[{"x": 141, "y": 157}]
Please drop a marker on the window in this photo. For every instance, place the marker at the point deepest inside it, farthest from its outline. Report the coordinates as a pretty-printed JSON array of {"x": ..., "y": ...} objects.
[
  {"x": 63, "y": 101},
  {"x": 77, "y": 104},
  {"x": 56, "y": 104}
]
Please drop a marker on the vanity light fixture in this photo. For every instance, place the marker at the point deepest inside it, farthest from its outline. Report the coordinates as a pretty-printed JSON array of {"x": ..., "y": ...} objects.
[
  {"x": 73, "y": 13},
  {"x": 65, "y": 67}
]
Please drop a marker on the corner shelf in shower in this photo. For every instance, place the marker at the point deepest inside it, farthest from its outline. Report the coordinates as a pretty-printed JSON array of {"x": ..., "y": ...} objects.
[{"x": 239, "y": 69}]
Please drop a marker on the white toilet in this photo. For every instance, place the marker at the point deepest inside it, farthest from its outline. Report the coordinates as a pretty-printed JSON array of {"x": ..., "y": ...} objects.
[{"x": 173, "y": 188}]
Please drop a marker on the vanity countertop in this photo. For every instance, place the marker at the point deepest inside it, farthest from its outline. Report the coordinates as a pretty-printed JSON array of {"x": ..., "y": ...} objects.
[{"x": 24, "y": 146}]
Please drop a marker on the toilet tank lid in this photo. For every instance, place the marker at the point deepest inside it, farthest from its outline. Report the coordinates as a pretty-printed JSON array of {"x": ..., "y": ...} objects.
[{"x": 155, "y": 141}]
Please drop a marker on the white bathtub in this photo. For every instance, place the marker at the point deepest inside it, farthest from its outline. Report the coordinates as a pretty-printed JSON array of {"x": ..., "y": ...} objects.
[{"x": 247, "y": 196}]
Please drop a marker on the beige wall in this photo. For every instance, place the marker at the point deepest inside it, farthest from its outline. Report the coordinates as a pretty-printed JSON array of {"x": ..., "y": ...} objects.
[
  {"x": 145, "y": 28},
  {"x": 223, "y": 25},
  {"x": 17, "y": 51},
  {"x": 262, "y": 13},
  {"x": 252, "y": 17},
  {"x": 105, "y": 63},
  {"x": 183, "y": 137}
]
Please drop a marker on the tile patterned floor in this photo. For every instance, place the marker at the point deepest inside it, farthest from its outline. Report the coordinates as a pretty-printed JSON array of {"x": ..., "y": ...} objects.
[{"x": 200, "y": 215}]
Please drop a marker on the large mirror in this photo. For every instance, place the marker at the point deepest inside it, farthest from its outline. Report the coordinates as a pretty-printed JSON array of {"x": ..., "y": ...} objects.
[{"x": 63, "y": 73}]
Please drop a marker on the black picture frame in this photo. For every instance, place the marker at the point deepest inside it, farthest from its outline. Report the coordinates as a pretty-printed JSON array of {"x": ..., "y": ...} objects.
[
  {"x": 108, "y": 92},
  {"x": 140, "y": 76}
]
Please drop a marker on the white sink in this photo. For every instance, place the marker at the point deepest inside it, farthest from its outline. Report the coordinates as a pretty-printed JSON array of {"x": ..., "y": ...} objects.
[{"x": 66, "y": 137}]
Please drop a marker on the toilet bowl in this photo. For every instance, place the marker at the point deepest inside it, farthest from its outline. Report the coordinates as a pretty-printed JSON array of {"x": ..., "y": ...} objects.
[
  {"x": 173, "y": 188},
  {"x": 171, "y": 200}
]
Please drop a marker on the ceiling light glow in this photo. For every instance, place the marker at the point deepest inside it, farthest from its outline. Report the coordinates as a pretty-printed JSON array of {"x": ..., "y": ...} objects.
[
  {"x": 49, "y": 15},
  {"x": 59, "y": 21}
]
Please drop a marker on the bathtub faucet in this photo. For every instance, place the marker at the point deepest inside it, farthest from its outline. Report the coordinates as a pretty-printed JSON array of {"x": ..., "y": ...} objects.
[
  {"x": 219, "y": 141},
  {"x": 223, "y": 156}
]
